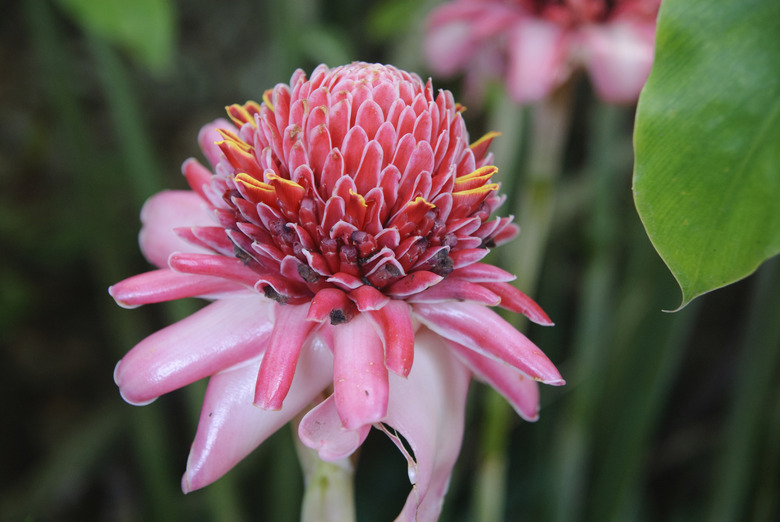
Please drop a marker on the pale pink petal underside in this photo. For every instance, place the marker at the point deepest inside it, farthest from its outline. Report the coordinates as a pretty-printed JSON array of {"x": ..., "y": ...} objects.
[
  {"x": 516, "y": 301},
  {"x": 454, "y": 289},
  {"x": 164, "y": 212},
  {"x": 428, "y": 409},
  {"x": 521, "y": 391},
  {"x": 208, "y": 137},
  {"x": 220, "y": 335},
  {"x": 321, "y": 429},
  {"x": 230, "y": 427},
  {"x": 481, "y": 329},
  {"x": 166, "y": 285}
]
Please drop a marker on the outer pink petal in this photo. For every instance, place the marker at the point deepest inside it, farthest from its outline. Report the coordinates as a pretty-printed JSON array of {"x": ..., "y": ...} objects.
[
  {"x": 481, "y": 329},
  {"x": 230, "y": 427},
  {"x": 538, "y": 59},
  {"x": 618, "y": 57},
  {"x": 161, "y": 214},
  {"x": 220, "y": 335},
  {"x": 516, "y": 301},
  {"x": 456, "y": 289},
  {"x": 428, "y": 409},
  {"x": 394, "y": 325},
  {"x": 321, "y": 430},
  {"x": 521, "y": 391},
  {"x": 359, "y": 374},
  {"x": 166, "y": 285},
  {"x": 276, "y": 373},
  {"x": 208, "y": 137}
]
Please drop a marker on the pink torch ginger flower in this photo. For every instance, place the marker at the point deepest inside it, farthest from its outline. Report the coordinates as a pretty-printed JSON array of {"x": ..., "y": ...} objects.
[
  {"x": 339, "y": 237},
  {"x": 536, "y": 44}
]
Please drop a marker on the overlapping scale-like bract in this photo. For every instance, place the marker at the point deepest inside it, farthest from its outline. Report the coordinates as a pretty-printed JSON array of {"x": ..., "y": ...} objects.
[{"x": 360, "y": 175}]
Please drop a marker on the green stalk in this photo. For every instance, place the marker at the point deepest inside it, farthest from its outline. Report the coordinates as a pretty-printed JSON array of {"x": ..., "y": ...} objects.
[
  {"x": 141, "y": 171},
  {"x": 593, "y": 329},
  {"x": 97, "y": 218},
  {"x": 766, "y": 501},
  {"x": 523, "y": 257},
  {"x": 758, "y": 368},
  {"x": 329, "y": 494},
  {"x": 490, "y": 481},
  {"x": 641, "y": 373}
]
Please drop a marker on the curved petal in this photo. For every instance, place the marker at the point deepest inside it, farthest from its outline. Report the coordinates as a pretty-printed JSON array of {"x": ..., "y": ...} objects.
[
  {"x": 220, "y": 335},
  {"x": 161, "y": 214},
  {"x": 164, "y": 284},
  {"x": 518, "y": 389},
  {"x": 428, "y": 410},
  {"x": 516, "y": 301},
  {"x": 538, "y": 59},
  {"x": 481, "y": 329},
  {"x": 209, "y": 136},
  {"x": 455, "y": 289},
  {"x": 394, "y": 325},
  {"x": 276, "y": 373},
  {"x": 230, "y": 427},
  {"x": 321, "y": 429},
  {"x": 359, "y": 374},
  {"x": 618, "y": 57}
]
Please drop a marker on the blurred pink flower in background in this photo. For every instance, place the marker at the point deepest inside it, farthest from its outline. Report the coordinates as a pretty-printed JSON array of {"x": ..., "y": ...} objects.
[
  {"x": 339, "y": 235},
  {"x": 535, "y": 45}
]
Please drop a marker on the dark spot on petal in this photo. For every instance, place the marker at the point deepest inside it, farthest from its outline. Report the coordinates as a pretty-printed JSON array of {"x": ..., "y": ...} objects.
[
  {"x": 308, "y": 275},
  {"x": 241, "y": 254},
  {"x": 270, "y": 293},
  {"x": 337, "y": 317},
  {"x": 391, "y": 269},
  {"x": 442, "y": 263}
]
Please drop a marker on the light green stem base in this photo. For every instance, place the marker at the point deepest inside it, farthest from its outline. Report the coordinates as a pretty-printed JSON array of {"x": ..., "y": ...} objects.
[{"x": 329, "y": 493}]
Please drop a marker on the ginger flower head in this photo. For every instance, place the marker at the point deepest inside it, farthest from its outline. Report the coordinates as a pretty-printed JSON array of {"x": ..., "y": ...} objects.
[{"x": 339, "y": 235}]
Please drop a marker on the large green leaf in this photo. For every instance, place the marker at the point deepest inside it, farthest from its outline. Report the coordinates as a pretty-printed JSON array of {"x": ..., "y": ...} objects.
[
  {"x": 145, "y": 28},
  {"x": 707, "y": 172}
]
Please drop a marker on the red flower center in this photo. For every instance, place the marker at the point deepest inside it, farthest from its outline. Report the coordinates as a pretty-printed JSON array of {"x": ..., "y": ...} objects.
[{"x": 357, "y": 176}]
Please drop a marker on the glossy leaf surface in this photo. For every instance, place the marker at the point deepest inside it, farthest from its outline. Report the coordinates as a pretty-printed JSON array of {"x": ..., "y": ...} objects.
[{"x": 707, "y": 172}]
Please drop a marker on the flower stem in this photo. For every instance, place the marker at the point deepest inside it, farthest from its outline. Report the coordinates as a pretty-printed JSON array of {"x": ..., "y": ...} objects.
[
  {"x": 752, "y": 399},
  {"x": 329, "y": 494},
  {"x": 592, "y": 333},
  {"x": 106, "y": 255},
  {"x": 523, "y": 257}
]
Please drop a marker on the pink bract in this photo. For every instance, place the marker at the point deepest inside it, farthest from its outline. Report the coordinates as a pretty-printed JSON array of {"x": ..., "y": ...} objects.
[
  {"x": 534, "y": 45},
  {"x": 338, "y": 234}
]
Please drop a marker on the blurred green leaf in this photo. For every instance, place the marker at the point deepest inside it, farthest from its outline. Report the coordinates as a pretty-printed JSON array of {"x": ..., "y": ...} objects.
[
  {"x": 145, "y": 28},
  {"x": 325, "y": 45},
  {"x": 707, "y": 173},
  {"x": 391, "y": 16}
]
